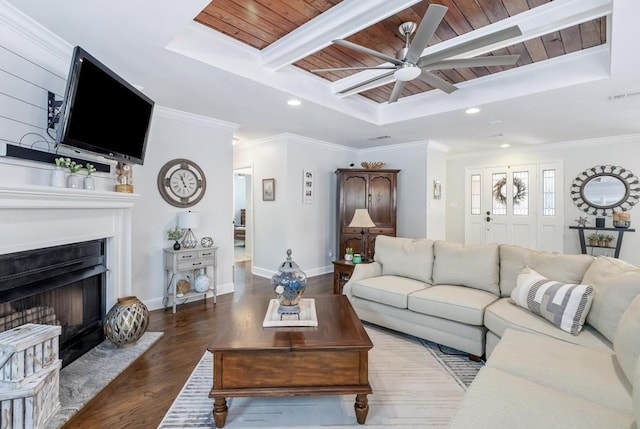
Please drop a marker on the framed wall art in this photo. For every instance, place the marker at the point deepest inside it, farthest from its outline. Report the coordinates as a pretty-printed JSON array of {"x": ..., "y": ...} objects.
[
  {"x": 307, "y": 186},
  {"x": 437, "y": 190},
  {"x": 268, "y": 189}
]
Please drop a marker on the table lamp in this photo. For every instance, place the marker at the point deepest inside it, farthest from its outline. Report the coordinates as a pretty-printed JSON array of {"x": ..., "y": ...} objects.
[
  {"x": 188, "y": 220},
  {"x": 361, "y": 219}
]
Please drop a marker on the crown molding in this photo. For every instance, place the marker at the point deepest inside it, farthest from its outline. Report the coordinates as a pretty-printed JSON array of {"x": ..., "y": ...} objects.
[{"x": 180, "y": 115}]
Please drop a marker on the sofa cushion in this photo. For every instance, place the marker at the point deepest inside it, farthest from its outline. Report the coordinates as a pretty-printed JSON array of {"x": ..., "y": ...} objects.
[
  {"x": 591, "y": 374},
  {"x": 626, "y": 342},
  {"x": 563, "y": 268},
  {"x": 472, "y": 266},
  {"x": 389, "y": 290},
  {"x": 499, "y": 400},
  {"x": 564, "y": 304},
  {"x": 405, "y": 257},
  {"x": 615, "y": 284},
  {"x": 458, "y": 303},
  {"x": 502, "y": 314}
]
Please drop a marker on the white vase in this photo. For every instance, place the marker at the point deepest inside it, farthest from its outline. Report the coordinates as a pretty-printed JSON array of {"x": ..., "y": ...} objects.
[
  {"x": 202, "y": 282},
  {"x": 348, "y": 257},
  {"x": 88, "y": 183},
  {"x": 58, "y": 178},
  {"x": 73, "y": 181}
]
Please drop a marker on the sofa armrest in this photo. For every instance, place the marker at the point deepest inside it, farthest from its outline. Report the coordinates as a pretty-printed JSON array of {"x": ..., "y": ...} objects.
[{"x": 361, "y": 271}]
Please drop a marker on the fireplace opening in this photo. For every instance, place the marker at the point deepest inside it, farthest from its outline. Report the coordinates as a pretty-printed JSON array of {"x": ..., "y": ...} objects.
[{"x": 60, "y": 285}]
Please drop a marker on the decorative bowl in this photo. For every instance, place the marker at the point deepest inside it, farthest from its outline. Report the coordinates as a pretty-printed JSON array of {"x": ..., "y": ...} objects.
[{"x": 372, "y": 165}]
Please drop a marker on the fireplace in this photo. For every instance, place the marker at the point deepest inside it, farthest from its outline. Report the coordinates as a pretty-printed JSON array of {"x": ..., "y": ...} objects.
[
  {"x": 36, "y": 218},
  {"x": 60, "y": 285}
]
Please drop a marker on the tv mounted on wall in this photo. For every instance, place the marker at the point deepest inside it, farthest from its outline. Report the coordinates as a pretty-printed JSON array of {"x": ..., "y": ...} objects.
[{"x": 102, "y": 113}]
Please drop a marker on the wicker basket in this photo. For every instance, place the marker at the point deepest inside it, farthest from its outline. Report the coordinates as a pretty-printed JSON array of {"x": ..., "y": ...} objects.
[{"x": 372, "y": 165}]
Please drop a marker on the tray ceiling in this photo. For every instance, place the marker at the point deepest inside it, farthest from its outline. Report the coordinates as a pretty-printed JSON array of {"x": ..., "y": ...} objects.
[{"x": 262, "y": 23}]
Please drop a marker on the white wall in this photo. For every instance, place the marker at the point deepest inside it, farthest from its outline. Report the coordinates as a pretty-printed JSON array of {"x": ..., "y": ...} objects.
[
  {"x": 576, "y": 157},
  {"x": 287, "y": 223},
  {"x": 207, "y": 142},
  {"x": 239, "y": 196}
]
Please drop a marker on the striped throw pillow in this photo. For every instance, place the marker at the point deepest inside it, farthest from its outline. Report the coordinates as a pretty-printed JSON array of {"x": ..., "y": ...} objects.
[{"x": 564, "y": 305}]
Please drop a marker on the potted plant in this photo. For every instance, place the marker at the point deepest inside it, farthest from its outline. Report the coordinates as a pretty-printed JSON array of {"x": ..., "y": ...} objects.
[
  {"x": 607, "y": 239},
  {"x": 594, "y": 239},
  {"x": 175, "y": 235},
  {"x": 348, "y": 254},
  {"x": 88, "y": 182}
]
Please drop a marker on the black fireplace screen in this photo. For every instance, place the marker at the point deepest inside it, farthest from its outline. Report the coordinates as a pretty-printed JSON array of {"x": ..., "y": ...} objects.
[{"x": 61, "y": 285}]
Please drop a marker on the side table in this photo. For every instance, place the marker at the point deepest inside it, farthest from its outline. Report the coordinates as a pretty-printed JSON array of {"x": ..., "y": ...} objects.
[
  {"x": 342, "y": 271},
  {"x": 188, "y": 260}
]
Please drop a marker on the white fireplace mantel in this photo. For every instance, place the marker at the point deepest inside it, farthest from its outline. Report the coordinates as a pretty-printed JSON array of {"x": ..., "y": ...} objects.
[{"x": 33, "y": 217}]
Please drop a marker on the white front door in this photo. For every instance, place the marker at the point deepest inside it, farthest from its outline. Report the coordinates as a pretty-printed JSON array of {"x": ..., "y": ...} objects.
[{"x": 514, "y": 204}]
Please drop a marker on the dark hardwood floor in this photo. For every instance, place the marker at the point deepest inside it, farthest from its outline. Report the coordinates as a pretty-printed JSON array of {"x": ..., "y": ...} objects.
[{"x": 142, "y": 394}]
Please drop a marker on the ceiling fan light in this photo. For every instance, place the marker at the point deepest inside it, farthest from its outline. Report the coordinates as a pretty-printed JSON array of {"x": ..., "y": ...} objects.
[{"x": 407, "y": 73}]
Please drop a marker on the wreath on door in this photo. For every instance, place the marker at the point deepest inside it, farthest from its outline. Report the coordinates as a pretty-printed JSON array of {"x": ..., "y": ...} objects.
[{"x": 519, "y": 188}]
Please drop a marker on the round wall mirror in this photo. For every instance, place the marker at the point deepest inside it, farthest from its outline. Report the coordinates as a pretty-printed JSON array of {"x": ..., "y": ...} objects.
[{"x": 603, "y": 189}]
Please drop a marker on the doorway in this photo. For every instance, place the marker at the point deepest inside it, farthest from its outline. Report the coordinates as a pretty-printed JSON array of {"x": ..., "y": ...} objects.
[{"x": 242, "y": 197}]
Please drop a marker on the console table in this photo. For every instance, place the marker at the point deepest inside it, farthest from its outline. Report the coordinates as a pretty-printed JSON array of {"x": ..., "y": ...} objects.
[
  {"x": 583, "y": 243},
  {"x": 188, "y": 260}
]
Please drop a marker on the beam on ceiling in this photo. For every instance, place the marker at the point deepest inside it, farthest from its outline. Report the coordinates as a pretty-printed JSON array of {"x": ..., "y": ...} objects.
[{"x": 344, "y": 19}]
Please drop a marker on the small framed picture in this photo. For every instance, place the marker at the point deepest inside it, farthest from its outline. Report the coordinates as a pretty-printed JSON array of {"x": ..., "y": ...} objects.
[
  {"x": 307, "y": 186},
  {"x": 437, "y": 190},
  {"x": 268, "y": 189}
]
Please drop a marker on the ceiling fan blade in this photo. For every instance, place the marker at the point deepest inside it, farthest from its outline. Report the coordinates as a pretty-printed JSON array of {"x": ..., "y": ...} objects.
[
  {"x": 365, "y": 83},
  {"x": 428, "y": 26},
  {"x": 368, "y": 51},
  {"x": 437, "y": 82},
  {"x": 354, "y": 68},
  {"x": 480, "y": 42},
  {"x": 397, "y": 90},
  {"x": 494, "y": 60}
]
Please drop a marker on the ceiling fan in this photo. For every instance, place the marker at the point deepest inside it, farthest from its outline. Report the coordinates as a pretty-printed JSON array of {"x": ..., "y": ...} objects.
[{"x": 409, "y": 65}]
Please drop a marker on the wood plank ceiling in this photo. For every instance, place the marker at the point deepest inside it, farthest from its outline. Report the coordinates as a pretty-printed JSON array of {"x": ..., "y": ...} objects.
[{"x": 259, "y": 23}]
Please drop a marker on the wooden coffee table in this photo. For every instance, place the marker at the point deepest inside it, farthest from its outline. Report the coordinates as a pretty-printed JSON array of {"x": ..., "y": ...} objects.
[{"x": 330, "y": 359}]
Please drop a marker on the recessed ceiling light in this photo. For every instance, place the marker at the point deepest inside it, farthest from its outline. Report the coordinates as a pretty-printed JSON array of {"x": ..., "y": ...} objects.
[
  {"x": 294, "y": 102},
  {"x": 472, "y": 110},
  {"x": 505, "y": 145}
]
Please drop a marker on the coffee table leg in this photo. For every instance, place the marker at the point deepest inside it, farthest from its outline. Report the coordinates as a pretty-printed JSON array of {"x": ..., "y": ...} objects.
[
  {"x": 362, "y": 408},
  {"x": 220, "y": 411}
]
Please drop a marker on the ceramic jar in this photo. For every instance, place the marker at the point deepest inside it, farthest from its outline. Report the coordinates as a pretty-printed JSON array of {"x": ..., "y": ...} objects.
[
  {"x": 289, "y": 284},
  {"x": 58, "y": 177},
  {"x": 73, "y": 181}
]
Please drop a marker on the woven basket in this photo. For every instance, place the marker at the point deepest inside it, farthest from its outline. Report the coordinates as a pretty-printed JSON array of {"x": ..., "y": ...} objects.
[{"x": 372, "y": 165}]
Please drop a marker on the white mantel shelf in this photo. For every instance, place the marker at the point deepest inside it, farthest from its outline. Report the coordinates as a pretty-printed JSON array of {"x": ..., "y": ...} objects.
[{"x": 49, "y": 197}]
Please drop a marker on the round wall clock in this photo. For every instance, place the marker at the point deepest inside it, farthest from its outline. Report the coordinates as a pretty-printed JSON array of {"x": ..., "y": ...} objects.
[{"x": 181, "y": 182}]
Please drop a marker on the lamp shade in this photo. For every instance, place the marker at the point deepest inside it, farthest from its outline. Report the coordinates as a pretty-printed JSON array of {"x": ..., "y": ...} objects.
[
  {"x": 188, "y": 220},
  {"x": 361, "y": 219}
]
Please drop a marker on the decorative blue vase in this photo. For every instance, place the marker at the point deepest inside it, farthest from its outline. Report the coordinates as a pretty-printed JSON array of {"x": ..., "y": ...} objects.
[{"x": 289, "y": 284}]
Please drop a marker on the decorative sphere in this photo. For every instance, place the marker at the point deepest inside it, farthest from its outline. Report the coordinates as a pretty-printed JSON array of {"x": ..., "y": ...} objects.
[
  {"x": 202, "y": 282},
  {"x": 206, "y": 242}
]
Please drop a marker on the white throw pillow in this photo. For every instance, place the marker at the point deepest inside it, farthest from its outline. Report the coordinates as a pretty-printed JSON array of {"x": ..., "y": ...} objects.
[{"x": 564, "y": 304}]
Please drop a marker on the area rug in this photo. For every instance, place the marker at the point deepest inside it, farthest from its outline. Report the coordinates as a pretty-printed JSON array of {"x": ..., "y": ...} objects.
[
  {"x": 85, "y": 377},
  {"x": 413, "y": 385}
]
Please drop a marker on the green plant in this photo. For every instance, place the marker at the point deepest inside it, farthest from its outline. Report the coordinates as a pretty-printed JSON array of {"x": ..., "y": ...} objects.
[
  {"x": 90, "y": 169},
  {"x": 61, "y": 162},
  {"x": 607, "y": 238},
  {"x": 71, "y": 165},
  {"x": 348, "y": 251},
  {"x": 174, "y": 234},
  {"x": 594, "y": 237}
]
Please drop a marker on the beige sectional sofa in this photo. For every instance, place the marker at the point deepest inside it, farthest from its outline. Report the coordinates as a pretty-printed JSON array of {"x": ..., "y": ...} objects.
[{"x": 536, "y": 374}]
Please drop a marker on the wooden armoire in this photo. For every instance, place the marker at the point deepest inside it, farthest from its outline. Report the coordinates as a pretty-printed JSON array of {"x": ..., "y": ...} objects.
[{"x": 374, "y": 190}]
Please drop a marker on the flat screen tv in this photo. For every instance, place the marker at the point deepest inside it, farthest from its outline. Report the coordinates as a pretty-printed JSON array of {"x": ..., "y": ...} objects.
[{"x": 102, "y": 113}]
